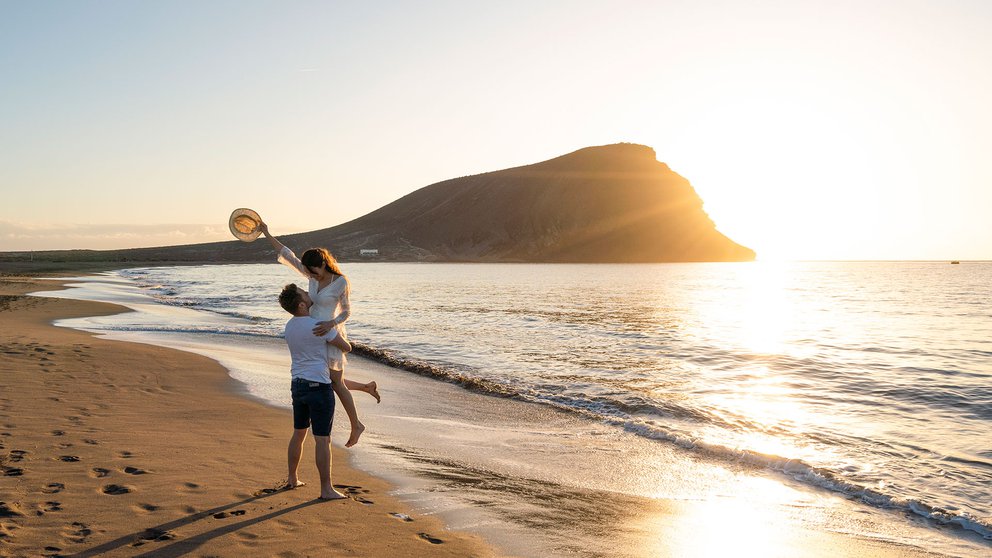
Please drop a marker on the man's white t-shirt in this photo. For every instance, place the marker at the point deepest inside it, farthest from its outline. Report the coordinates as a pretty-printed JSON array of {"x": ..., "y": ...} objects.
[{"x": 309, "y": 352}]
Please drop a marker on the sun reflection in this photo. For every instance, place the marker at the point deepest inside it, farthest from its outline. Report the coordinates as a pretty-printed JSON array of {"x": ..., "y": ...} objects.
[
  {"x": 745, "y": 530},
  {"x": 767, "y": 311},
  {"x": 767, "y": 420},
  {"x": 752, "y": 307},
  {"x": 761, "y": 412},
  {"x": 756, "y": 518}
]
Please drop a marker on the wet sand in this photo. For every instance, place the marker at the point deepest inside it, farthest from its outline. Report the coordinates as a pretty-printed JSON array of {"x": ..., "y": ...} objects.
[{"x": 122, "y": 449}]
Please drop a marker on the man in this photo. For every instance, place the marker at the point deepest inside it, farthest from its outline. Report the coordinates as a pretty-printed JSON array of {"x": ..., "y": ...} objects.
[{"x": 313, "y": 398}]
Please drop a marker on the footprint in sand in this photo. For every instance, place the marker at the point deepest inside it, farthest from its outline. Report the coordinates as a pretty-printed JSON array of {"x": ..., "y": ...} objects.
[
  {"x": 99, "y": 472},
  {"x": 49, "y": 507},
  {"x": 116, "y": 489},
  {"x": 125, "y": 455},
  {"x": 58, "y": 432},
  {"x": 223, "y": 515},
  {"x": 401, "y": 516},
  {"x": 69, "y": 458},
  {"x": 77, "y": 532},
  {"x": 431, "y": 539},
  {"x": 17, "y": 455},
  {"x": 91, "y": 442},
  {"x": 12, "y": 471},
  {"x": 52, "y": 551},
  {"x": 10, "y": 510},
  {"x": 145, "y": 507},
  {"x": 53, "y": 488},
  {"x": 153, "y": 535},
  {"x": 135, "y": 471},
  {"x": 247, "y": 539},
  {"x": 355, "y": 493}
]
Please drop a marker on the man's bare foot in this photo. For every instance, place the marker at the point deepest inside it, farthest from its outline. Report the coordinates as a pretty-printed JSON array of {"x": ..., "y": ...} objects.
[
  {"x": 372, "y": 389},
  {"x": 356, "y": 432},
  {"x": 332, "y": 495},
  {"x": 293, "y": 484}
]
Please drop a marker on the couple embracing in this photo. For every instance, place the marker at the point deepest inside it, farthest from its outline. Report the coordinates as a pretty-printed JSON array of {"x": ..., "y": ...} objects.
[{"x": 317, "y": 344}]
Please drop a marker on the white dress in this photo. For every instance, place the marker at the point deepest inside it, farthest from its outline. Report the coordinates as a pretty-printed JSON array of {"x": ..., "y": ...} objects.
[{"x": 330, "y": 302}]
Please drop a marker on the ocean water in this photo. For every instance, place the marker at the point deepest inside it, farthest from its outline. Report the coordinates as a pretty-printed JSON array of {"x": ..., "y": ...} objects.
[{"x": 870, "y": 381}]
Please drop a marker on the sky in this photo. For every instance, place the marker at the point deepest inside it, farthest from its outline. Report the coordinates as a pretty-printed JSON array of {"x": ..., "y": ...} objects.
[{"x": 811, "y": 129}]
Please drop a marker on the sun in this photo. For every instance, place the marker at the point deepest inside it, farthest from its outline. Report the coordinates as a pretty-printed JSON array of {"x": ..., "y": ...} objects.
[{"x": 783, "y": 170}]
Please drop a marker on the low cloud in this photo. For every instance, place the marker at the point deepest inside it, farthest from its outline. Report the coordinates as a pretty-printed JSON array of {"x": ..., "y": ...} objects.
[{"x": 33, "y": 236}]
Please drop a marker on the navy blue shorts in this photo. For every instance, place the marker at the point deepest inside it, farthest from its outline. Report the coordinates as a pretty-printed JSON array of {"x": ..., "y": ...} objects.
[{"x": 313, "y": 406}]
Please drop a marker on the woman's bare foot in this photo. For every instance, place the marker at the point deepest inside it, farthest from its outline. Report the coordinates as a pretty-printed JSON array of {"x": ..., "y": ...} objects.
[
  {"x": 332, "y": 495},
  {"x": 356, "y": 432},
  {"x": 372, "y": 389},
  {"x": 291, "y": 484}
]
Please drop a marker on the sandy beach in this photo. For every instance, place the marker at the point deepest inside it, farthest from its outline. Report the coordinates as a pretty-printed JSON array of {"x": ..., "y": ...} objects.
[
  {"x": 124, "y": 449},
  {"x": 117, "y": 448}
]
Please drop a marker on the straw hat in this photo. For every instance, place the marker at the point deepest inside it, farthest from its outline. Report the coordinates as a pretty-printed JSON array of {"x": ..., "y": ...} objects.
[{"x": 244, "y": 224}]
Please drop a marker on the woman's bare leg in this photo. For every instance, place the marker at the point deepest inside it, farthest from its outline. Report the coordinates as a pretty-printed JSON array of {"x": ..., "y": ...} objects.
[
  {"x": 349, "y": 406},
  {"x": 341, "y": 343},
  {"x": 370, "y": 388}
]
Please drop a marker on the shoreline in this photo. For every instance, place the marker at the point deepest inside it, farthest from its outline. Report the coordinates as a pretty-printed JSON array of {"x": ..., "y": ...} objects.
[
  {"x": 672, "y": 525},
  {"x": 118, "y": 448}
]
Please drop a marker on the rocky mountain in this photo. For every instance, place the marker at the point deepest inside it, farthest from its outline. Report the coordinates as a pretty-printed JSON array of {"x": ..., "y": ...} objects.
[{"x": 612, "y": 203}]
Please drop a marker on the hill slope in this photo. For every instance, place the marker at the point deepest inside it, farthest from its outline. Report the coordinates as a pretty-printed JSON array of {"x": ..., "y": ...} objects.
[{"x": 613, "y": 203}]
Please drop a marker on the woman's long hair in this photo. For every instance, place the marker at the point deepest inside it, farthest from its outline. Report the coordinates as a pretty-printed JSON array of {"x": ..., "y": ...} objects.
[{"x": 320, "y": 257}]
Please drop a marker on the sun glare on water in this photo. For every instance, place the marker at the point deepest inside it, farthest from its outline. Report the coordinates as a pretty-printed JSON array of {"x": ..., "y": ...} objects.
[{"x": 760, "y": 412}]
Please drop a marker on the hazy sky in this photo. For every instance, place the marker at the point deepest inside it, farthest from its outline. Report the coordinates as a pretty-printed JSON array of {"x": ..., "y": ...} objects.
[{"x": 812, "y": 129}]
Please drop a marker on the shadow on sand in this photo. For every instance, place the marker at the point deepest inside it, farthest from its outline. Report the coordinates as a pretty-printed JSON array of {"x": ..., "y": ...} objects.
[{"x": 180, "y": 547}]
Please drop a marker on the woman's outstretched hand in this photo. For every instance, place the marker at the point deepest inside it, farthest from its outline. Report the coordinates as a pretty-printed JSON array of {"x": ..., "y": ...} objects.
[
  {"x": 323, "y": 328},
  {"x": 272, "y": 240}
]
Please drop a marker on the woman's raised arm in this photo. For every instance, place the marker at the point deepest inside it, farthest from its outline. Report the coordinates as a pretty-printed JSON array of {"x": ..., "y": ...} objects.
[
  {"x": 272, "y": 240},
  {"x": 286, "y": 256}
]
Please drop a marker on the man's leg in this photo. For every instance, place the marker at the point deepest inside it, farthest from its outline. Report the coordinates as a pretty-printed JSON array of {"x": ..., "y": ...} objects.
[
  {"x": 322, "y": 455},
  {"x": 294, "y": 454}
]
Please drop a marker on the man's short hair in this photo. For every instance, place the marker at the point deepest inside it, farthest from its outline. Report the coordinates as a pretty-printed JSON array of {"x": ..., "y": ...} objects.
[{"x": 290, "y": 298}]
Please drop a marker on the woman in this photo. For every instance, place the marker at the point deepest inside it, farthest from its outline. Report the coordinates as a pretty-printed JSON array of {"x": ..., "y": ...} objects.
[{"x": 329, "y": 290}]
